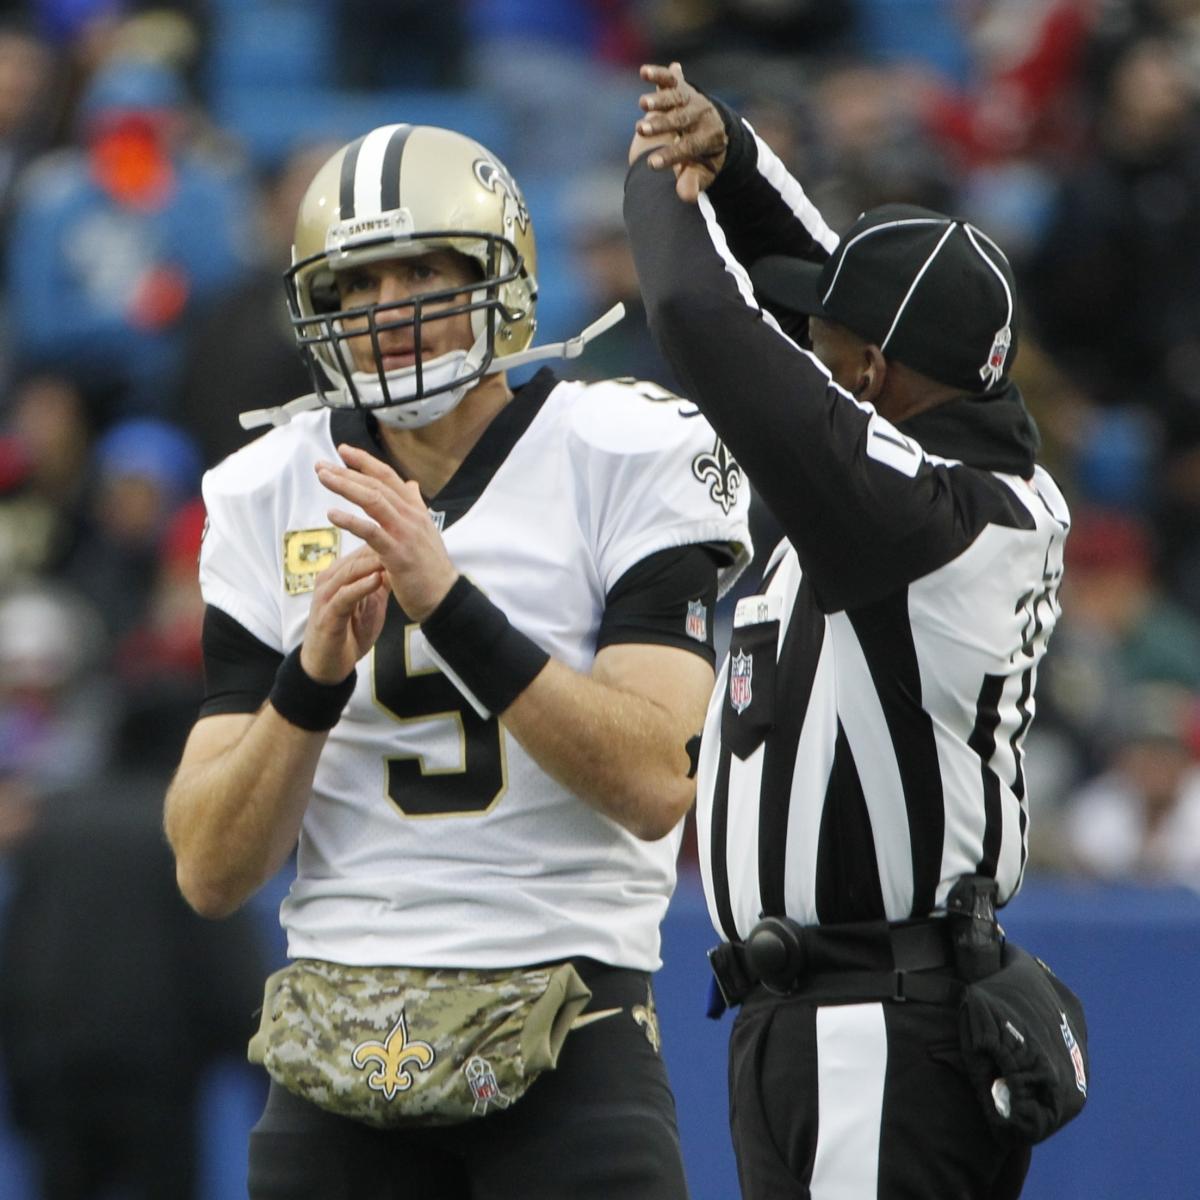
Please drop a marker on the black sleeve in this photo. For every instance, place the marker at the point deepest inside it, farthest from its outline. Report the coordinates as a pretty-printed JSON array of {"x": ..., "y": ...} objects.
[
  {"x": 667, "y": 599},
  {"x": 754, "y": 215},
  {"x": 866, "y": 512},
  {"x": 239, "y": 670}
]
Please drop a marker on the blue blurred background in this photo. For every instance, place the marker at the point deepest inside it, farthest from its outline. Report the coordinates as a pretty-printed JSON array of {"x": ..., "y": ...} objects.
[{"x": 151, "y": 159}]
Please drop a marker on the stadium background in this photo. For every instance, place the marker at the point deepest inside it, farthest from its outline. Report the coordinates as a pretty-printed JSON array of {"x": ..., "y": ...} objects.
[{"x": 150, "y": 161}]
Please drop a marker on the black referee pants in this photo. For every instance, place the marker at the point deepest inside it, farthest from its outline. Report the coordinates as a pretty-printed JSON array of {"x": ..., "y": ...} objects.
[
  {"x": 600, "y": 1126},
  {"x": 857, "y": 1102}
]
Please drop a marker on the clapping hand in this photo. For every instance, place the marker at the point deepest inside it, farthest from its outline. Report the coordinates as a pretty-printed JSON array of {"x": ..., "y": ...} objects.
[{"x": 396, "y": 526}]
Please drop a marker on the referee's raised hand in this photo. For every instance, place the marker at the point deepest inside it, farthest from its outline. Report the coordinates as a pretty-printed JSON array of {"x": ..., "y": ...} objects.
[{"x": 683, "y": 128}]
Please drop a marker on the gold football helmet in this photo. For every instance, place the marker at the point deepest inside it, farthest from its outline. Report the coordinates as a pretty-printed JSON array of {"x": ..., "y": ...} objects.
[{"x": 405, "y": 190}]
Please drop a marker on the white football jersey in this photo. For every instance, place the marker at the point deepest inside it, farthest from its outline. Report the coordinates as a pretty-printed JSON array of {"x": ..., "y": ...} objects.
[{"x": 432, "y": 838}]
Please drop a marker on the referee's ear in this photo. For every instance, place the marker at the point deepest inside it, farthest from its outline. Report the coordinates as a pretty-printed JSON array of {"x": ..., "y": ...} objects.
[{"x": 872, "y": 374}]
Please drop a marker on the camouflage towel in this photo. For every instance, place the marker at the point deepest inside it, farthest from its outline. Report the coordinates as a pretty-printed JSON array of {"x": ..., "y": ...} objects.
[{"x": 393, "y": 1046}]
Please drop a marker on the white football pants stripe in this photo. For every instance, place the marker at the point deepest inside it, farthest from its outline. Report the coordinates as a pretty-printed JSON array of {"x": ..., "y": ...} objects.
[{"x": 851, "y": 1062}]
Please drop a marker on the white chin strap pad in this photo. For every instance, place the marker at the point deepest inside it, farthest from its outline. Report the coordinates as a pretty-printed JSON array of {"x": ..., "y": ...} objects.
[{"x": 439, "y": 375}]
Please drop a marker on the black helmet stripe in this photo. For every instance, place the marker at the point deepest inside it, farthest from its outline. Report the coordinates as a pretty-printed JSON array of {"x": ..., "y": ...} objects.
[
  {"x": 378, "y": 162},
  {"x": 346, "y": 182},
  {"x": 389, "y": 194}
]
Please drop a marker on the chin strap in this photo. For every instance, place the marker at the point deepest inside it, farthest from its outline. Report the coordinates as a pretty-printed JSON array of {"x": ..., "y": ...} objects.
[
  {"x": 571, "y": 348},
  {"x": 280, "y": 415}
]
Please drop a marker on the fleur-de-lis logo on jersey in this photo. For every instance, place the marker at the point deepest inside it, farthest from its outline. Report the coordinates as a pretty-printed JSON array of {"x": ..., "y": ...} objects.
[
  {"x": 718, "y": 468},
  {"x": 394, "y": 1054},
  {"x": 495, "y": 177}
]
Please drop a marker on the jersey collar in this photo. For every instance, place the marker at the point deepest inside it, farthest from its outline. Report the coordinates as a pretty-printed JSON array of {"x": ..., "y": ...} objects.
[{"x": 475, "y": 472}]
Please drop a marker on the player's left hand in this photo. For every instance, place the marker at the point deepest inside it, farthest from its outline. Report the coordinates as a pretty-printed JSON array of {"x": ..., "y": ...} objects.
[
  {"x": 683, "y": 128},
  {"x": 396, "y": 526}
]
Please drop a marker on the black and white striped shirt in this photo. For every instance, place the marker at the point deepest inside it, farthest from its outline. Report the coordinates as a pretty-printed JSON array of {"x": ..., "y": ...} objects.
[{"x": 863, "y": 746}]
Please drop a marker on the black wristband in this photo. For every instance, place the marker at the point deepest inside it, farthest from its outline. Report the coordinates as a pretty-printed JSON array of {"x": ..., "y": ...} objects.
[
  {"x": 300, "y": 700},
  {"x": 475, "y": 640}
]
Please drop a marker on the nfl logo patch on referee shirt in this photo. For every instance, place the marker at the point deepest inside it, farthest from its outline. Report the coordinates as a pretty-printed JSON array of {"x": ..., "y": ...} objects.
[{"x": 741, "y": 671}]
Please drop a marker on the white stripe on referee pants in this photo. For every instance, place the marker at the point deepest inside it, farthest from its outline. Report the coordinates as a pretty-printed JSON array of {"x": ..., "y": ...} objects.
[{"x": 851, "y": 1062}]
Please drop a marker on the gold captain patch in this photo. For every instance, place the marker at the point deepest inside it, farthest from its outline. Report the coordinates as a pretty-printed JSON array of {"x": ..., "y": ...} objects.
[{"x": 306, "y": 553}]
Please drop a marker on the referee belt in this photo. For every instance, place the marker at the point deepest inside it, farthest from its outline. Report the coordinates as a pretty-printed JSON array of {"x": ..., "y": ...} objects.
[{"x": 846, "y": 964}]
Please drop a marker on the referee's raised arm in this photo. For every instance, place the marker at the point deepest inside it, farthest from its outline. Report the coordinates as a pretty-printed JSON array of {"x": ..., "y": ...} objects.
[
  {"x": 759, "y": 391},
  {"x": 823, "y": 461}
]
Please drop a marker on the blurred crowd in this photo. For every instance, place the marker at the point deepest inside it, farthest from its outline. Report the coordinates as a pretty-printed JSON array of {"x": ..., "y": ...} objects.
[{"x": 151, "y": 159}]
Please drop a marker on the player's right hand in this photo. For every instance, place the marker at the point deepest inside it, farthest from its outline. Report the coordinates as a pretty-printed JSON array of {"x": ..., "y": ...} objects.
[
  {"x": 394, "y": 521},
  {"x": 348, "y": 607}
]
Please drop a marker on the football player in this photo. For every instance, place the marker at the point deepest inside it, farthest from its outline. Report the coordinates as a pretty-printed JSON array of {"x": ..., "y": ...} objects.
[{"x": 459, "y": 642}]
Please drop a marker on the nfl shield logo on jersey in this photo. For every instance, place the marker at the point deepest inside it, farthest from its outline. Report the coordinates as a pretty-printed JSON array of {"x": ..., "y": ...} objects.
[
  {"x": 741, "y": 670},
  {"x": 696, "y": 624}
]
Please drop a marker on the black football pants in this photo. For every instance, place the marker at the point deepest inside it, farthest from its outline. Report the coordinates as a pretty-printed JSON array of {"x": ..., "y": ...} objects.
[
  {"x": 112, "y": 1136},
  {"x": 600, "y": 1126},
  {"x": 860, "y": 1100}
]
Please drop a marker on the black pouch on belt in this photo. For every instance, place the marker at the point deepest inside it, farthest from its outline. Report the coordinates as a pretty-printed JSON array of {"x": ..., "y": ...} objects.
[{"x": 1024, "y": 1042}]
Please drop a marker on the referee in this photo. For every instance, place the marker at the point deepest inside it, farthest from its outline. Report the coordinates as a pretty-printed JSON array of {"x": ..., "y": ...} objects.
[{"x": 863, "y": 747}]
